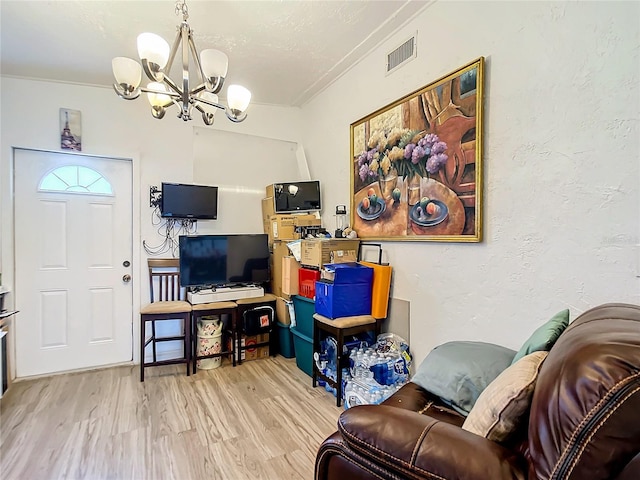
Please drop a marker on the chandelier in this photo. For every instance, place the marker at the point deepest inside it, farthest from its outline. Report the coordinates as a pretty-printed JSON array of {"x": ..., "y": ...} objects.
[{"x": 162, "y": 92}]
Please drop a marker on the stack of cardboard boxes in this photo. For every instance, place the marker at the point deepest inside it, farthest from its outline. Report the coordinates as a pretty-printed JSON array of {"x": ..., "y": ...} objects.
[{"x": 283, "y": 228}]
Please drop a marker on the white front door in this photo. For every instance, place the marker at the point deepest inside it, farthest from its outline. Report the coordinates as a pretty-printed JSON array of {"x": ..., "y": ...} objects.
[{"x": 73, "y": 242}]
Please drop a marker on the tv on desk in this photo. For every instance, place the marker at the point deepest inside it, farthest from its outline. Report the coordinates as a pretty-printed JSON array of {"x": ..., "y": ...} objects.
[{"x": 223, "y": 260}]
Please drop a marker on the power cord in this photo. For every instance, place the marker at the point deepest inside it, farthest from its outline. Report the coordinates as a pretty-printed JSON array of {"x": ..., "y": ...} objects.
[{"x": 169, "y": 229}]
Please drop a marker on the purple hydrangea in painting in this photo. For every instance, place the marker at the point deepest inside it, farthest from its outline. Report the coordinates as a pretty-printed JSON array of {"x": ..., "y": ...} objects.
[
  {"x": 408, "y": 152},
  {"x": 436, "y": 162}
]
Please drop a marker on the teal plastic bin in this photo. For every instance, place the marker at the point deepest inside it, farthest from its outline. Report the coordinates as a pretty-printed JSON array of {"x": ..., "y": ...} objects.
[
  {"x": 304, "y": 309},
  {"x": 304, "y": 351},
  {"x": 285, "y": 339}
]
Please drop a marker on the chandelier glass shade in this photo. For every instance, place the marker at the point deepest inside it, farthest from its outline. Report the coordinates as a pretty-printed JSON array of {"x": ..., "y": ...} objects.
[{"x": 156, "y": 59}]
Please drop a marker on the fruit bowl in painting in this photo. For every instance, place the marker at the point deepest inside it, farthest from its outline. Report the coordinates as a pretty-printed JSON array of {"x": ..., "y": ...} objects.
[
  {"x": 373, "y": 212},
  {"x": 426, "y": 220}
]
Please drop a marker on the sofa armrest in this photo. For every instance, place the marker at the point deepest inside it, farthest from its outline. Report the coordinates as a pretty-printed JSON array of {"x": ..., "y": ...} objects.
[{"x": 415, "y": 445}]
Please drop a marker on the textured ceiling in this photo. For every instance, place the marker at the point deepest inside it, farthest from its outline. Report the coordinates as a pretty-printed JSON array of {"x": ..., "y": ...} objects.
[{"x": 285, "y": 52}]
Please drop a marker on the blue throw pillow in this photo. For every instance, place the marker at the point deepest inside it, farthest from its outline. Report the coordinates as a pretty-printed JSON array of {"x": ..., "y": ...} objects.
[
  {"x": 458, "y": 372},
  {"x": 545, "y": 336}
]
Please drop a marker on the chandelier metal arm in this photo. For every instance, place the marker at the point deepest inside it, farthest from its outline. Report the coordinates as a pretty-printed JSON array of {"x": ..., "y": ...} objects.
[
  {"x": 213, "y": 84},
  {"x": 235, "y": 116},
  {"x": 174, "y": 49},
  {"x": 208, "y": 102},
  {"x": 173, "y": 86},
  {"x": 186, "y": 38},
  {"x": 124, "y": 91},
  {"x": 173, "y": 95}
]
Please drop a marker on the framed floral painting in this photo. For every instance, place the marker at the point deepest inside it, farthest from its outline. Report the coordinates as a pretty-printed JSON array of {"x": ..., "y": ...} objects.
[{"x": 416, "y": 171}]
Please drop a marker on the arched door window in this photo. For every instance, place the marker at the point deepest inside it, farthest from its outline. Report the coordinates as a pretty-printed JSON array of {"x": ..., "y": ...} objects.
[{"x": 75, "y": 179}]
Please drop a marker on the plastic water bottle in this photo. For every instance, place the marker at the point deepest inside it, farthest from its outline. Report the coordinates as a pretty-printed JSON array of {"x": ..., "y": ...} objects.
[
  {"x": 391, "y": 374},
  {"x": 321, "y": 382},
  {"x": 380, "y": 369},
  {"x": 352, "y": 361},
  {"x": 400, "y": 371},
  {"x": 359, "y": 364},
  {"x": 328, "y": 372},
  {"x": 370, "y": 360}
]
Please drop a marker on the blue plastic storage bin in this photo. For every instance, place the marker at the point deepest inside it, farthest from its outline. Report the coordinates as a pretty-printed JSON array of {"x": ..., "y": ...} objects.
[
  {"x": 285, "y": 341},
  {"x": 304, "y": 309},
  {"x": 351, "y": 272},
  {"x": 304, "y": 351},
  {"x": 334, "y": 300}
]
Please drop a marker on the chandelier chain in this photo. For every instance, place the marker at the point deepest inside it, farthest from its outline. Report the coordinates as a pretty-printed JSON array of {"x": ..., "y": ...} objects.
[{"x": 181, "y": 9}]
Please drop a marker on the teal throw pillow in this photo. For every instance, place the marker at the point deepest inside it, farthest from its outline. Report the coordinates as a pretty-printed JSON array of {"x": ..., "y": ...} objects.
[
  {"x": 458, "y": 372},
  {"x": 545, "y": 336}
]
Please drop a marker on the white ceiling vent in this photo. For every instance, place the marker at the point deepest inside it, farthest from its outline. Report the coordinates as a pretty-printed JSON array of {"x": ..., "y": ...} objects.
[{"x": 401, "y": 55}]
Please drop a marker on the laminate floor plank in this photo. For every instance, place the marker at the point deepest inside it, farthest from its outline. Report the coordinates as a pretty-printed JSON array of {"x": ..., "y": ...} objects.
[{"x": 259, "y": 420}]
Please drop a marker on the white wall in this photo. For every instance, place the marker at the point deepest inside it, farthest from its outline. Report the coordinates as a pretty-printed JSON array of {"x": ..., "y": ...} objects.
[
  {"x": 241, "y": 166},
  {"x": 561, "y": 164},
  {"x": 162, "y": 150}
]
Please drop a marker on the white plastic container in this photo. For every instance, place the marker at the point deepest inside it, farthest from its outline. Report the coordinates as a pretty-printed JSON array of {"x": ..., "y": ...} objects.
[
  {"x": 209, "y": 326},
  {"x": 208, "y": 345},
  {"x": 209, "y": 342}
]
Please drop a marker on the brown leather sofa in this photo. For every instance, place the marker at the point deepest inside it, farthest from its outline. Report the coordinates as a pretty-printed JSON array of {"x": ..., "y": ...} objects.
[{"x": 584, "y": 422}]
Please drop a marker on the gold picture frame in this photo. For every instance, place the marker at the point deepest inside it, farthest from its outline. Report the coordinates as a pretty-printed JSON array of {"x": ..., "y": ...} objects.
[{"x": 416, "y": 164}]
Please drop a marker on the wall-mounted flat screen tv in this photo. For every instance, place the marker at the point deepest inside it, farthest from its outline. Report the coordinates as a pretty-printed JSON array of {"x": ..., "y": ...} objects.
[
  {"x": 296, "y": 196},
  {"x": 181, "y": 200},
  {"x": 217, "y": 260}
]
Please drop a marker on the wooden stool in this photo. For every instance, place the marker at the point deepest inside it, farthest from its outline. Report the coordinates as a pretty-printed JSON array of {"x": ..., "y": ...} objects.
[
  {"x": 339, "y": 328},
  {"x": 200, "y": 310},
  {"x": 246, "y": 304}
]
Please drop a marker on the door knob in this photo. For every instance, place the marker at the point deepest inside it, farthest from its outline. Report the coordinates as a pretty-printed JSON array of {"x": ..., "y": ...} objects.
[{"x": 126, "y": 278}]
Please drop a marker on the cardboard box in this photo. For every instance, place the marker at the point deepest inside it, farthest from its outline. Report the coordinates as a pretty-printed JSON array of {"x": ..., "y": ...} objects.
[
  {"x": 267, "y": 211},
  {"x": 337, "y": 300},
  {"x": 290, "y": 269},
  {"x": 269, "y": 190},
  {"x": 283, "y": 227},
  {"x": 279, "y": 250},
  {"x": 282, "y": 311},
  {"x": 344, "y": 256},
  {"x": 254, "y": 353},
  {"x": 317, "y": 252}
]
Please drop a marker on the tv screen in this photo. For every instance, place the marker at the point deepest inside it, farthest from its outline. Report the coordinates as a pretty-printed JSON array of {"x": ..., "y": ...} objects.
[
  {"x": 296, "y": 196},
  {"x": 203, "y": 260},
  {"x": 189, "y": 201},
  {"x": 217, "y": 260}
]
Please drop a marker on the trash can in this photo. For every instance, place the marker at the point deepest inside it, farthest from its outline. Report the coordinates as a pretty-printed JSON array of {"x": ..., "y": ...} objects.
[{"x": 209, "y": 342}]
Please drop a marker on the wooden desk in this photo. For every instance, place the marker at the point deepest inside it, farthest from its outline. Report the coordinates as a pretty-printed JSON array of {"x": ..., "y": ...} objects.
[{"x": 395, "y": 220}]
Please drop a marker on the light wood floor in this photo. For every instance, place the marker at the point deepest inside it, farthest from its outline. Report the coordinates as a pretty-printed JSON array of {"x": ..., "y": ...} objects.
[{"x": 259, "y": 420}]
